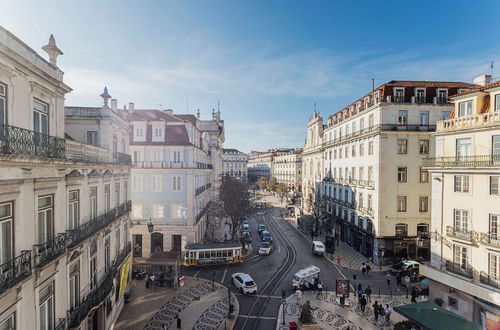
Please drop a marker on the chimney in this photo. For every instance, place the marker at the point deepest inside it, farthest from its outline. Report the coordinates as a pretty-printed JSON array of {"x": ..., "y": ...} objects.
[
  {"x": 131, "y": 107},
  {"x": 52, "y": 49},
  {"x": 114, "y": 104},
  {"x": 483, "y": 80},
  {"x": 169, "y": 111}
]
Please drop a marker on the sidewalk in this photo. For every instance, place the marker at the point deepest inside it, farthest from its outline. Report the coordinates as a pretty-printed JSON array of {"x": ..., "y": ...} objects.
[
  {"x": 328, "y": 313},
  {"x": 198, "y": 306}
]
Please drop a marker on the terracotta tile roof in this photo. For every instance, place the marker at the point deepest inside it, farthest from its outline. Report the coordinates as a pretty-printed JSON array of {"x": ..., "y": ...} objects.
[
  {"x": 479, "y": 89},
  {"x": 426, "y": 83}
]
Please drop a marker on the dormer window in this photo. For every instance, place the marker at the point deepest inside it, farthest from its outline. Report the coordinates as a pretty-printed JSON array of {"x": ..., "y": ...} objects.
[
  {"x": 358, "y": 106},
  {"x": 420, "y": 95},
  {"x": 399, "y": 94},
  {"x": 442, "y": 96},
  {"x": 465, "y": 109},
  {"x": 158, "y": 134},
  {"x": 377, "y": 97},
  {"x": 139, "y": 133}
]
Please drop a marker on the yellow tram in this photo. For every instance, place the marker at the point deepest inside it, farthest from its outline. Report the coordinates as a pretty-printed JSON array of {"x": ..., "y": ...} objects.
[{"x": 212, "y": 254}]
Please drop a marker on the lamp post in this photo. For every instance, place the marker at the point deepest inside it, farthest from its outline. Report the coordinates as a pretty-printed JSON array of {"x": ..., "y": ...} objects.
[
  {"x": 150, "y": 226},
  {"x": 213, "y": 279}
]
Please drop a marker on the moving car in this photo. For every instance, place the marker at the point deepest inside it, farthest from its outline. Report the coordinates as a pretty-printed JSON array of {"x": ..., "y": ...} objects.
[
  {"x": 244, "y": 283},
  {"x": 261, "y": 228},
  {"x": 406, "y": 267},
  {"x": 246, "y": 237},
  {"x": 266, "y": 236},
  {"x": 246, "y": 227},
  {"x": 318, "y": 249},
  {"x": 306, "y": 278},
  {"x": 265, "y": 248}
]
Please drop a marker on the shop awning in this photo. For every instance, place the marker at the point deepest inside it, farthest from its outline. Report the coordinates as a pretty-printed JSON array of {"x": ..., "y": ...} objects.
[{"x": 430, "y": 316}]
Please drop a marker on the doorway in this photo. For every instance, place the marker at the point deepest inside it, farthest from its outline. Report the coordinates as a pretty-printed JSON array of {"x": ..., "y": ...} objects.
[
  {"x": 176, "y": 242},
  {"x": 156, "y": 243}
]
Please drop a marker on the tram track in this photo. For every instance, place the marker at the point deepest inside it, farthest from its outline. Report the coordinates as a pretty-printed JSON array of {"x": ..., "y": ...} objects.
[{"x": 252, "y": 321}]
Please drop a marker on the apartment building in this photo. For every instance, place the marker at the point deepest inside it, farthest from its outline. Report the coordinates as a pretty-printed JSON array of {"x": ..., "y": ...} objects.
[
  {"x": 234, "y": 164},
  {"x": 287, "y": 168},
  {"x": 64, "y": 241},
  {"x": 465, "y": 175},
  {"x": 260, "y": 163},
  {"x": 177, "y": 159},
  {"x": 374, "y": 186}
]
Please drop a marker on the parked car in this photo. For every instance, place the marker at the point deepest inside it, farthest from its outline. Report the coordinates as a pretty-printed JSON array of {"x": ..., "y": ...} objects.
[
  {"x": 266, "y": 236},
  {"x": 261, "y": 228},
  {"x": 407, "y": 267},
  {"x": 246, "y": 227},
  {"x": 265, "y": 248},
  {"x": 244, "y": 283},
  {"x": 246, "y": 237}
]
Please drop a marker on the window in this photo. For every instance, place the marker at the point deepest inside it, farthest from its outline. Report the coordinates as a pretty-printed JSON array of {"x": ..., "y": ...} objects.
[
  {"x": 9, "y": 323},
  {"x": 371, "y": 120},
  {"x": 461, "y": 183},
  {"x": 117, "y": 193},
  {"x": 335, "y": 154},
  {"x": 340, "y": 153},
  {"x": 156, "y": 155},
  {"x": 497, "y": 102},
  {"x": 92, "y": 138},
  {"x": 399, "y": 95},
  {"x": 137, "y": 183},
  {"x": 93, "y": 272},
  {"x": 361, "y": 124},
  {"x": 370, "y": 148},
  {"x": 424, "y": 175},
  {"x": 494, "y": 185},
  {"x": 158, "y": 133},
  {"x": 370, "y": 202},
  {"x": 361, "y": 149},
  {"x": 402, "y": 146},
  {"x": 420, "y": 96},
  {"x": 74, "y": 285},
  {"x": 370, "y": 173},
  {"x": 139, "y": 133},
  {"x": 353, "y": 152},
  {"x": 3, "y": 104},
  {"x": 107, "y": 197},
  {"x": 424, "y": 118},
  {"x": 179, "y": 212},
  {"x": 494, "y": 266},
  {"x": 176, "y": 183},
  {"x": 423, "y": 203},
  {"x": 495, "y": 147},
  {"x": 177, "y": 156},
  {"x": 93, "y": 202},
  {"x": 156, "y": 183},
  {"x": 401, "y": 203},
  {"x": 115, "y": 143},
  {"x": 445, "y": 115},
  {"x": 465, "y": 109},
  {"x": 460, "y": 219},
  {"x": 422, "y": 229},
  {"x": 137, "y": 211},
  {"x": 401, "y": 229},
  {"x": 346, "y": 152},
  {"x": 493, "y": 226},
  {"x": 360, "y": 200},
  {"x": 6, "y": 223},
  {"x": 40, "y": 117},
  {"x": 402, "y": 118},
  {"x": 73, "y": 209},
  {"x": 463, "y": 147},
  {"x": 402, "y": 174},
  {"x": 45, "y": 218},
  {"x": 158, "y": 211},
  {"x": 461, "y": 256},
  {"x": 442, "y": 96},
  {"x": 46, "y": 307},
  {"x": 138, "y": 156},
  {"x": 423, "y": 147}
]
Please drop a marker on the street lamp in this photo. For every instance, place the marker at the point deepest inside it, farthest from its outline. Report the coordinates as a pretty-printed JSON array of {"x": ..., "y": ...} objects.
[{"x": 150, "y": 226}]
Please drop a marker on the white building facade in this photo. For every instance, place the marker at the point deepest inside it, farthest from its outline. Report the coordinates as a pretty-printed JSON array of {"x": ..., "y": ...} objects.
[
  {"x": 287, "y": 169},
  {"x": 465, "y": 176},
  {"x": 235, "y": 164},
  {"x": 260, "y": 164},
  {"x": 64, "y": 209}
]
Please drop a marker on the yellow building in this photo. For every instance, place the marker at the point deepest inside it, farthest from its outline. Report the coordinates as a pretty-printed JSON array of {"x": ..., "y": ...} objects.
[{"x": 465, "y": 244}]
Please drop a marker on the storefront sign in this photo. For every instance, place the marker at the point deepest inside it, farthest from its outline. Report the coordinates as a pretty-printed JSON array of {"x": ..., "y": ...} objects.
[
  {"x": 342, "y": 288},
  {"x": 492, "y": 321}
]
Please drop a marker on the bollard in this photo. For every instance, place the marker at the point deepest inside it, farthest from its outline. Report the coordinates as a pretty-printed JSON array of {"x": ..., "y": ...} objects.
[
  {"x": 379, "y": 292},
  {"x": 390, "y": 291},
  {"x": 406, "y": 287}
]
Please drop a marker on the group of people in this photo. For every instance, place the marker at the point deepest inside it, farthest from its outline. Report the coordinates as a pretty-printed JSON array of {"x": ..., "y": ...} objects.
[
  {"x": 382, "y": 314},
  {"x": 365, "y": 268},
  {"x": 154, "y": 280}
]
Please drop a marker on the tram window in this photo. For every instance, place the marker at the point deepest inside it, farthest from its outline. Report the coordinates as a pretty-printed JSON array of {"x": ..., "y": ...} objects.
[
  {"x": 230, "y": 253},
  {"x": 224, "y": 253},
  {"x": 203, "y": 255},
  {"x": 213, "y": 254},
  {"x": 219, "y": 253}
]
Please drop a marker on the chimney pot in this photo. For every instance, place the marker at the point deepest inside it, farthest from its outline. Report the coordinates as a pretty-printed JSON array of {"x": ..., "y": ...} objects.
[
  {"x": 483, "y": 80},
  {"x": 131, "y": 106}
]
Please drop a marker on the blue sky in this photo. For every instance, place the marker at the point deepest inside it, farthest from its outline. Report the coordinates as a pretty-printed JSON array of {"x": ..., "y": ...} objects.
[{"x": 266, "y": 61}]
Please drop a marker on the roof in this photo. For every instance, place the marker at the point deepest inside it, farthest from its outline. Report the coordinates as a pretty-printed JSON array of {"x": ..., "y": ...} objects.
[
  {"x": 479, "y": 89},
  {"x": 231, "y": 151},
  {"x": 151, "y": 115},
  {"x": 191, "y": 118},
  {"x": 176, "y": 135},
  {"x": 308, "y": 271},
  {"x": 212, "y": 246},
  {"x": 431, "y": 316}
]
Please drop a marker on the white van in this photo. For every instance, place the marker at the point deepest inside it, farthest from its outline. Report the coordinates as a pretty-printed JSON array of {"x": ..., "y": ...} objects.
[
  {"x": 306, "y": 278},
  {"x": 318, "y": 248}
]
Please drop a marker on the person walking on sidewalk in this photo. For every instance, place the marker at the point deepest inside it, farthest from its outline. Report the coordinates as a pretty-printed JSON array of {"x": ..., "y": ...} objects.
[
  {"x": 375, "y": 310},
  {"x": 413, "y": 295},
  {"x": 362, "y": 304},
  {"x": 388, "y": 279},
  {"x": 381, "y": 315},
  {"x": 388, "y": 311},
  {"x": 359, "y": 291},
  {"x": 320, "y": 289},
  {"x": 368, "y": 292},
  {"x": 298, "y": 296},
  {"x": 363, "y": 269},
  {"x": 368, "y": 268}
]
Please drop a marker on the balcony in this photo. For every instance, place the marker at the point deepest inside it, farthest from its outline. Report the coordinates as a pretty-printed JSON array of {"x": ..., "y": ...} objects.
[
  {"x": 51, "y": 250},
  {"x": 14, "y": 271},
  {"x": 482, "y": 120},
  {"x": 88, "y": 153},
  {"x": 419, "y": 99},
  {"x": 99, "y": 294},
  {"x": 491, "y": 239},
  {"x": 120, "y": 158},
  {"x": 459, "y": 269},
  {"x": 203, "y": 211},
  {"x": 463, "y": 234},
  {"x": 398, "y": 98},
  {"x": 89, "y": 228},
  {"x": 442, "y": 99},
  {"x": 491, "y": 280},
  {"x": 462, "y": 161},
  {"x": 201, "y": 189},
  {"x": 23, "y": 142}
]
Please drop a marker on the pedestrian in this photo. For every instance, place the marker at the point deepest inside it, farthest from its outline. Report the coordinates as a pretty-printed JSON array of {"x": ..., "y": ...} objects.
[
  {"x": 320, "y": 289},
  {"x": 147, "y": 281},
  {"x": 368, "y": 292},
  {"x": 362, "y": 304},
  {"x": 338, "y": 260},
  {"x": 153, "y": 280},
  {"x": 363, "y": 268},
  {"x": 359, "y": 291},
  {"x": 407, "y": 281},
  {"x": 368, "y": 268},
  {"x": 298, "y": 296},
  {"x": 388, "y": 279},
  {"x": 399, "y": 281},
  {"x": 179, "y": 321},
  {"x": 375, "y": 310},
  {"x": 381, "y": 315},
  {"x": 388, "y": 311},
  {"x": 413, "y": 295}
]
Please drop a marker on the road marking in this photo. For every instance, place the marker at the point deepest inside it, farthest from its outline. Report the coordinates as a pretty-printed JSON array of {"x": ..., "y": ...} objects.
[
  {"x": 196, "y": 274},
  {"x": 258, "y": 317},
  {"x": 224, "y": 275}
]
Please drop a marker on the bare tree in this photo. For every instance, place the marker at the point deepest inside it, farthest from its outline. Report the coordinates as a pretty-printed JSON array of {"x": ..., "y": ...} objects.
[
  {"x": 318, "y": 205},
  {"x": 262, "y": 182}
]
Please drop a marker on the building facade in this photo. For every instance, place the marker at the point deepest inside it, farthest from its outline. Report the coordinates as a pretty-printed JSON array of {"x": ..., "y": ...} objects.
[
  {"x": 260, "y": 164},
  {"x": 374, "y": 186},
  {"x": 465, "y": 175},
  {"x": 287, "y": 169},
  {"x": 234, "y": 164},
  {"x": 177, "y": 162},
  {"x": 64, "y": 209}
]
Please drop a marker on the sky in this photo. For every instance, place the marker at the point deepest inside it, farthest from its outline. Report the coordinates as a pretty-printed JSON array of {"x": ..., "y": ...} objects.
[{"x": 267, "y": 62}]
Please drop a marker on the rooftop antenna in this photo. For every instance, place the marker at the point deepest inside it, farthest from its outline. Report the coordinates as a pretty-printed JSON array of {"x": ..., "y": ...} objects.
[
  {"x": 491, "y": 68},
  {"x": 218, "y": 105}
]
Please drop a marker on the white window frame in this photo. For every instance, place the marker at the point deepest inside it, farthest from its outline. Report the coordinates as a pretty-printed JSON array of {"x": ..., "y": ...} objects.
[
  {"x": 461, "y": 219},
  {"x": 7, "y": 224},
  {"x": 176, "y": 183},
  {"x": 137, "y": 183},
  {"x": 73, "y": 209},
  {"x": 402, "y": 203},
  {"x": 461, "y": 183},
  {"x": 402, "y": 174},
  {"x": 47, "y": 301},
  {"x": 93, "y": 209},
  {"x": 136, "y": 214},
  {"x": 423, "y": 203},
  {"x": 45, "y": 220},
  {"x": 402, "y": 146},
  {"x": 423, "y": 146},
  {"x": 157, "y": 183},
  {"x": 157, "y": 211},
  {"x": 494, "y": 185},
  {"x": 465, "y": 108}
]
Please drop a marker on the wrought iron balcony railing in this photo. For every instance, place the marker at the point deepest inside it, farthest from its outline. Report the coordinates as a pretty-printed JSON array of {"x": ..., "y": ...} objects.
[
  {"x": 89, "y": 228},
  {"x": 202, "y": 212},
  {"x": 20, "y": 141},
  {"x": 61, "y": 325},
  {"x": 459, "y": 268},
  {"x": 122, "y": 159},
  {"x": 15, "y": 270},
  {"x": 462, "y": 161},
  {"x": 460, "y": 233},
  {"x": 492, "y": 239},
  {"x": 442, "y": 99},
  {"x": 97, "y": 296},
  {"x": 48, "y": 251},
  {"x": 489, "y": 279},
  {"x": 419, "y": 99}
]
